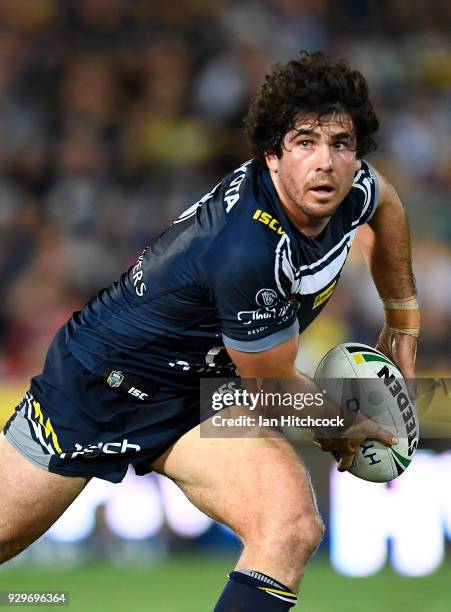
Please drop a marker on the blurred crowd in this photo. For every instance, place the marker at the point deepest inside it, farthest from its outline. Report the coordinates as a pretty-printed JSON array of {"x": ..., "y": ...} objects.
[{"x": 116, "y": 115}]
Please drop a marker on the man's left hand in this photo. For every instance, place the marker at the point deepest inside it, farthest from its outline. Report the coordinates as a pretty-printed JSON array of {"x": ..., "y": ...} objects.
[{"x": 401, "y": 349}]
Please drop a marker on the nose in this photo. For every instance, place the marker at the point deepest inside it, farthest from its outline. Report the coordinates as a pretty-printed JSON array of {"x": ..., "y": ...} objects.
[{"x": 323, "y": 158}]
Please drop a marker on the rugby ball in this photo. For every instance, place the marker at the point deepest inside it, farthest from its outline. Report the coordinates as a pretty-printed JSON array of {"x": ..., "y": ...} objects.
[{"x": 359, "y": 377}]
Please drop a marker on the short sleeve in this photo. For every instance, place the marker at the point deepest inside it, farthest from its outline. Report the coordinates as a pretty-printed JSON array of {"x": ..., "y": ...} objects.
[
  {"x": 365, "y": 191},
  {"x": 254, "y": 313}
]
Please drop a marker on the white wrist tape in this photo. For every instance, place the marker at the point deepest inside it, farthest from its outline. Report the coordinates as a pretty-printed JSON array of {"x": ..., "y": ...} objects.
[
  {"x": 401, "y": 304},
  {"x": 402, "y": 316}
]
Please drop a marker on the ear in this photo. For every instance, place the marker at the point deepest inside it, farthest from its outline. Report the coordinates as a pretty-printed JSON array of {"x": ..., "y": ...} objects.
[
  {"x": 272, "y": 161},
  {"x": 358, "y": 164}
]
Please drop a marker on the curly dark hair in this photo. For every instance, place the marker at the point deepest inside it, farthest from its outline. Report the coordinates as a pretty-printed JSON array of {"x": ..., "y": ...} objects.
[{"x": 310, "y": 84}]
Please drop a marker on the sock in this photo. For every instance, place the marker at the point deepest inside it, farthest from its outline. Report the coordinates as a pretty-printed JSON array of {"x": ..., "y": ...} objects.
[{"x": 251, "y": 591}]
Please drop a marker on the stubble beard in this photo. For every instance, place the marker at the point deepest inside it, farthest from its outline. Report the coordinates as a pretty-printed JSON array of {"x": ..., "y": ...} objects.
[
  {"x": 314, "y": 211},
  {"x": 318, "y": 211}
]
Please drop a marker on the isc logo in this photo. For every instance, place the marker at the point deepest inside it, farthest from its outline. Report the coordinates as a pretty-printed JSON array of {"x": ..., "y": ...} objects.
[
  {"x": 137, "y": 393},
  {"x": 268, "y": 220}
]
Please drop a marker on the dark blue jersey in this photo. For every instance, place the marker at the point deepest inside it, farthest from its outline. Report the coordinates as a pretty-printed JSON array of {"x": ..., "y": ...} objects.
[{"x": 231, "y": 270}]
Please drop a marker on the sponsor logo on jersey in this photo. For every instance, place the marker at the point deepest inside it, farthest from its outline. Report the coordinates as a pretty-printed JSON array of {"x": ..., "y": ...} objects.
[
  {"x": 137, "y": 276},
  {"x": 232, "y": 194},
  {"x": 268, "y": 220},
  {"x": 324, "y": 295},
  {"x": 266, "y": 298},
  {"x": 265, "y": 314}
]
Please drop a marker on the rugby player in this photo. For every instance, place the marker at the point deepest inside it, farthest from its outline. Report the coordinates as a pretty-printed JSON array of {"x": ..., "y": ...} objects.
[{"x": 229, "y": 285}]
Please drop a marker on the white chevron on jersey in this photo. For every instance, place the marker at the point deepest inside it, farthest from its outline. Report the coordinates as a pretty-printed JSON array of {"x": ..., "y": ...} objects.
[
  {"x": 286, "y": 274},
  {"x": 365, "y": 186},
  {"x": 311, "y": 283},
  {"x": 284, "y": 270},
  {"x": 329, "y": 253}
]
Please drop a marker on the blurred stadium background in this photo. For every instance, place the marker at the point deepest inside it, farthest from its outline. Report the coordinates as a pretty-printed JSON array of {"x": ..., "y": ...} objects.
[{"x": 115, "y": 115}]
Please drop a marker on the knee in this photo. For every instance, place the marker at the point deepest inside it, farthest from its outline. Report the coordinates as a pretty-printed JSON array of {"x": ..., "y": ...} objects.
[
  {"x": 299, "y": 533},
  {"x": 308, "y": 532},
  {"x": 293, "y": 531}
]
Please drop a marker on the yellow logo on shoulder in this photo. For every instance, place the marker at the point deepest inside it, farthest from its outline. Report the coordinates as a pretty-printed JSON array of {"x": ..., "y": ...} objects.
[
  {"x": 268, "y": 220},
  {"x": 324, "y": 295}
]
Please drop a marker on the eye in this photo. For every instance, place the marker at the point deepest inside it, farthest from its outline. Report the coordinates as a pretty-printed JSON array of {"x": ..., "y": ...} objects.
[
  {"x": 340, "y": 146},
  {"x": 305, "y": 144}
]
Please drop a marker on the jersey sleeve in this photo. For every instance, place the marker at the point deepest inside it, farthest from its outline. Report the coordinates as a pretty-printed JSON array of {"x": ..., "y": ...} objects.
[
  {"x": 254, "y": 313},
  {"x": 365, "y": 191}
]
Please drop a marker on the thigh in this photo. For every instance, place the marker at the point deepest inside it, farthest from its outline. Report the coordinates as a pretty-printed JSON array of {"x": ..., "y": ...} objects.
[
  {"x": 242, "y": 481},
  {"x": 31, "y": 499}
]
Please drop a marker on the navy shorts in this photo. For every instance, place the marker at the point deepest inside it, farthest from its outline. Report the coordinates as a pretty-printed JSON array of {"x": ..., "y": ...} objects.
[{"x": 71, "y": 422}]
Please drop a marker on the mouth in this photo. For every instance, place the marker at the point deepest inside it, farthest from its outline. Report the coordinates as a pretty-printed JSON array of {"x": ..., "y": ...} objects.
[{"x": 323, "y": 189}]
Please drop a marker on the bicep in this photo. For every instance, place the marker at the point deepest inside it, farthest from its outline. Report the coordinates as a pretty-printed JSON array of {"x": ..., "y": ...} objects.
[
  {"x": 388, "y": 199},
  {"x": 389, "y": 204},
  {"x": 276, "y": 362}
]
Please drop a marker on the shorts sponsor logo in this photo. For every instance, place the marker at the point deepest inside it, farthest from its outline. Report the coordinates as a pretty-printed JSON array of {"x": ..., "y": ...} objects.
[
  {"x": 115, "y": 378},
  {"x": 102, "y": 448},
  {"x": 137, "y": 393}
]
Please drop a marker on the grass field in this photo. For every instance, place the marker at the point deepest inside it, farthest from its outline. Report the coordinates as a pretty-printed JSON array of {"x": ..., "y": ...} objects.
[{"x": 192, "y": 584}]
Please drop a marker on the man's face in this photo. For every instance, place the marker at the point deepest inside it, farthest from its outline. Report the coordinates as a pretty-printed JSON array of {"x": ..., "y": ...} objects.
[{"x": 317, "y": 166}]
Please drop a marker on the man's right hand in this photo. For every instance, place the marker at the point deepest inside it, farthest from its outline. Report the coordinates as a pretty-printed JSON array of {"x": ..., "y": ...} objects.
[{"x": 350, "y": 440}]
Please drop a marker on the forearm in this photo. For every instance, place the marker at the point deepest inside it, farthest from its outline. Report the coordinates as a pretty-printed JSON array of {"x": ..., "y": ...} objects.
[
  {"x": 385, "y": 244},
  {"x": 387, "y": 250}
]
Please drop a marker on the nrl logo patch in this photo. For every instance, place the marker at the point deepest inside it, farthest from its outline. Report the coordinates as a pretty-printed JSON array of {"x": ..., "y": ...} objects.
[{"x": 115, "y": 378}]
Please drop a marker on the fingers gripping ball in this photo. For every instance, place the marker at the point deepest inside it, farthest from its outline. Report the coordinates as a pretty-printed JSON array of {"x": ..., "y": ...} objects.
[{"x": 360, "y": 378}]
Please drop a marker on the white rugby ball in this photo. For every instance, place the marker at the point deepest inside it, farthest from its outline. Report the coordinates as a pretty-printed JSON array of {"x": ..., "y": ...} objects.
[{"x": 359, "y": 377}]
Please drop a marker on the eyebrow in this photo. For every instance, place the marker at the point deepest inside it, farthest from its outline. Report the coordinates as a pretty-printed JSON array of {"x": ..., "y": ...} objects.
[
  {"x": 303, "y": 132},
  {"x": 343, "y": 136},
  {"x": 306, "y": 132}
]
